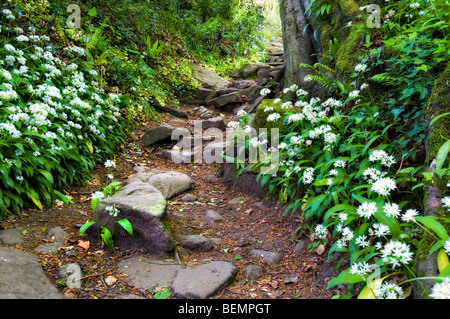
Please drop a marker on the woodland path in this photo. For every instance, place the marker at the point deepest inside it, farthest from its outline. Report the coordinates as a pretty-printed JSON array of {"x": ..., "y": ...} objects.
[{"x": 248, "y": 223}]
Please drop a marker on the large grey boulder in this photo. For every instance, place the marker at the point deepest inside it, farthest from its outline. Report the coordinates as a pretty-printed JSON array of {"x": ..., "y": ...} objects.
[
  {"x": 171, "y": 183},
  {"x": 22, "y": 277},
  {"x": 208, "y": 79},
  {"x": 203, "y": 281},
  {"x": 145, "y": 207},
  {"x": 226, "y": 100},
  {"x": 158, "y": 134}
]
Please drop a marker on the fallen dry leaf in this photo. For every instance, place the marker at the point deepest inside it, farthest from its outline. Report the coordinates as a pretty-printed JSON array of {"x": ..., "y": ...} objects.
[
  {"x": 110, "y": 280},
  {"x": 84, "y": 244}
]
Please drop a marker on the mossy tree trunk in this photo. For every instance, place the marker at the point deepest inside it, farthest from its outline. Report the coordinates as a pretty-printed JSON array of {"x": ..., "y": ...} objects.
[
  {"x": 436, "y": 135},
  {"x": 298, "y": 40}
]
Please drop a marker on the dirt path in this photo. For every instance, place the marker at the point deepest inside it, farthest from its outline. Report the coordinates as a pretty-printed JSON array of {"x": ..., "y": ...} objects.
[{"x": 249, "y": 223}]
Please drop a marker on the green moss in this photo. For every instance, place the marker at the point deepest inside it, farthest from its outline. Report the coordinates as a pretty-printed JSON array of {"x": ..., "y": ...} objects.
[
  {"x": 348, "y": 56},
  {"x": 260, "y": 119},
  {"x": 439, "y": 104},
  {"x": 349, "y": 8}
]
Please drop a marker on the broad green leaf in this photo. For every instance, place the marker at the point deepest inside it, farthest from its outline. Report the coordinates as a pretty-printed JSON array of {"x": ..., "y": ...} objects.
[
  {"x": 125, "y": 223},
  {"x": 35, "y": 200},
  {"x": 94, "y": 203},
  {"x": 107, "y": 238},
  {"x": 434, "y": 225},
  {"x": 90, "y": 147},
  {"x": 442, "y": 260},
  {"x": 93, "y": 12},
  {"x": 85, "y": 227},
  {"x": 442, "y": 154},
  {"x": 345, "y": 277}
]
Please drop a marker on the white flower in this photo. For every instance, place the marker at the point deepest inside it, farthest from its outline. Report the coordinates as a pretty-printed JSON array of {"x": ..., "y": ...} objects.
[
  {"x": 109, "y": 163},
  {"x": 321, "y": 231},
  {"x": 308, "y": 176},
  {"x": 384, "y": 186},
  {"x": 241, "y": 113},
  {"x": 273, "y": 117},
  {"x": 301, "y": 92},
  {"x": 392, "y": 210},
  {"x": 396, "y": 253},
  {"x": 22, "y": 38},
  {"x": 233, "y": 124},
  {"x": 414, "y": 5},
  {"x": 367, "y": 209},
  {"x": 388, "y": 291},
  {"x": 362, "y": 241},
  {"x": 354, "y": 94},
  {"x": 347, "y": 234},
  {"x": 447, "y": 246},
  {"x": 379, "y": 230},
  {"x": 112, "y": 210},
  {"x": 363, "y": 86},
  {"x": 334, "y": 172},
  {"x": 307, "y": 78},
  {"x": 340, "y": 163},
  {"x": 380, "y": 155},
  {"x": 409, "y": 215},
  {"x": 362, "y": 268},
  {"x": 446, "y": 202},
  {"x": 98, "y": 195},
  {"x": 441, "y": 290},
  {"x": 264, "y": 91},
  {"x": 360, "y": 67}
]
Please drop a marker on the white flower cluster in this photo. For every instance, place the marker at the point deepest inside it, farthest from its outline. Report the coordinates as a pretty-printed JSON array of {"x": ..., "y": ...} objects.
[
  {"x": 49, "y": 112},
  {"x": 382, "y": 156}
]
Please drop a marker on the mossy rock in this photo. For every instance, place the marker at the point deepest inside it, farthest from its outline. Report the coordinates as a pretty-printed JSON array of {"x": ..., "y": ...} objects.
[{"x": 260, "y": 119}]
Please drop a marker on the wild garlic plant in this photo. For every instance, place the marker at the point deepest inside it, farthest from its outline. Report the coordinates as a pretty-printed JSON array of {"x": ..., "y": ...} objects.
[
  {"x": 103, "y": 233},
  {"x": 55, "y": 120},
  {"x": 337, "y": 169}
]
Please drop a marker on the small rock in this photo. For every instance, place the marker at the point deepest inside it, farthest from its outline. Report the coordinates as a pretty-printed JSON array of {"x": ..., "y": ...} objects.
[
  {"x": 72, "y": 275},
  {"x": 253, "y": 272},
  {"x": 212, "y": 217},
  {"x": 320, "y": 250},
  {"x": 259, "y": 206},
  {"x": 56, "y": 237},
  {"x": 268, "y": 256},
  {"x": 188, "y": 198},
  {"x": 237, "y": 200},
  {"x": 300, "y": 247},
  {"x": 291, "y": 280},
  {"x": 216, "y": 122},
  {"x": 195, "y": 242},
  {"x": 140, "y": 169}
]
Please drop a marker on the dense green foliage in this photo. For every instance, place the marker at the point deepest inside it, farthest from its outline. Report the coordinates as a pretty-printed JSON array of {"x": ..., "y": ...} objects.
[
  {"x": 353, "y": 165},
  {"x": 65, "y": 87}
]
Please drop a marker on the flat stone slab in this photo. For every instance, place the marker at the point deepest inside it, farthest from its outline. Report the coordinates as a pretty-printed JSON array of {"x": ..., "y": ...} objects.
[
  {"x": 203, "y": 281},
  {"x": 11, "y": 236},
  {"x": 147, "y": 273},
  {"x": 22, "y": 277}
]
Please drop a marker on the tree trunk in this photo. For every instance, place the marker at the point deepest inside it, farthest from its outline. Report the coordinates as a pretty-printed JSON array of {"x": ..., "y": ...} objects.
[
  {"x": 436, "y": 135},
  {"x": 299, "y": 44}
]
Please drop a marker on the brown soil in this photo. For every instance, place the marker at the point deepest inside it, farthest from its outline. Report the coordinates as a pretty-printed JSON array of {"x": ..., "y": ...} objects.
[{"x": 245, "y": 227}]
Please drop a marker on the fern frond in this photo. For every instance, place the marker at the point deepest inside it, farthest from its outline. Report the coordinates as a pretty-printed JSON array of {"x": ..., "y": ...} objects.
[
  {"x": 60, "y": 32},
  {"x": 96, "y": 36}
]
